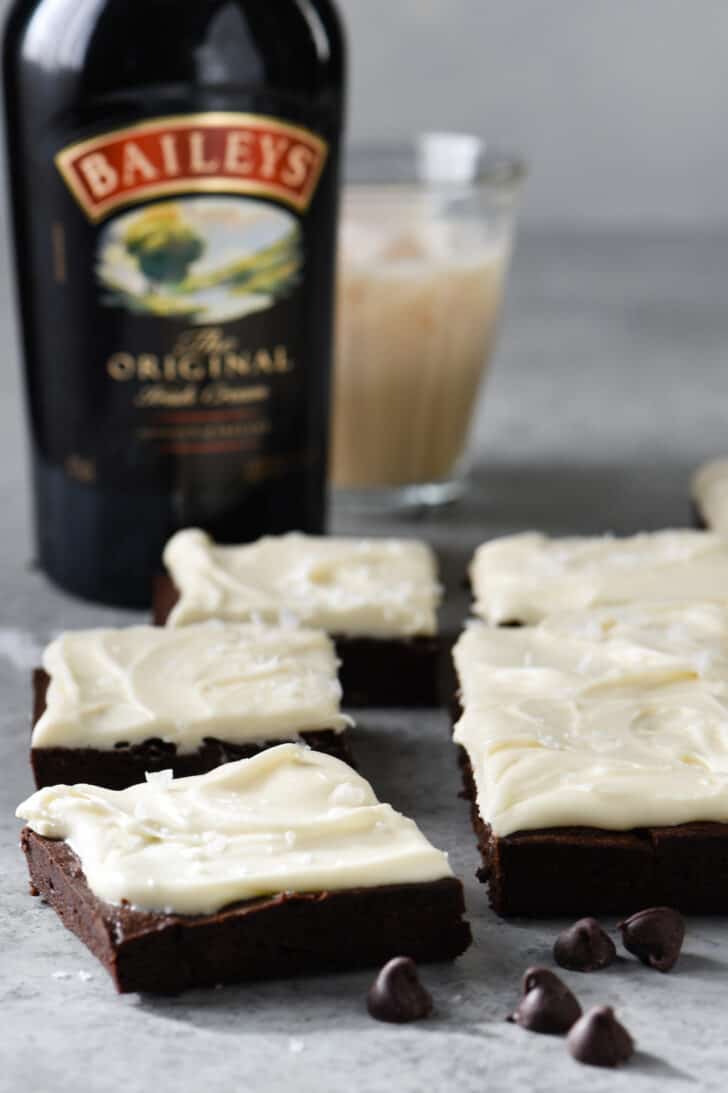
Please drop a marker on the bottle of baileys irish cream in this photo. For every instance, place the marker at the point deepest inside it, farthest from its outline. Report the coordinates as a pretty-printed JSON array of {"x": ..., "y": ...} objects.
[{"x": 174, "y": 178}]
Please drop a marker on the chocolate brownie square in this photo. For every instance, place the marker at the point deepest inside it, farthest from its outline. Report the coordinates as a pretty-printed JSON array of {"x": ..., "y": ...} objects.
[
  {"x": 593, "y": 756},
  {"x": 377, "y": 598},
  {"x": 279, "y": 865},
  {"x": 285, "y": 935},
  {"x": 529, "y": 577},
  {"x": 211, "y": 695},
  {"x": 373, "y": 671},
  {"x": 126, "y": 764}
]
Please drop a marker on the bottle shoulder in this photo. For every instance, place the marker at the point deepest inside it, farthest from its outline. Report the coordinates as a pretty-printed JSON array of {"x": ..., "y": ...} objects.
[{"x": 96, "y": 48}]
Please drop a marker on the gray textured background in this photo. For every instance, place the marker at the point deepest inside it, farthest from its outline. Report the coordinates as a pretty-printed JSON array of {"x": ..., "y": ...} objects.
[
  {"x": 610, "y": 384},
  {"x": 619, "y": 104}
]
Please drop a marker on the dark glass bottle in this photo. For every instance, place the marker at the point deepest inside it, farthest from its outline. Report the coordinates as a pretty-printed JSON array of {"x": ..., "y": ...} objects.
[{"x": 174, "y": 180}]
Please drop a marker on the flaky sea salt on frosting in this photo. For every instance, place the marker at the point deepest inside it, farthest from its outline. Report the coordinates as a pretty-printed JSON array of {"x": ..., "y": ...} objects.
[
  {"x": 230, "y": 681},
  {"x": 524, "y": 578},
  {"x": 357, "y": 587},
  {"x": 614, "y": 718},
  {"x": 288, "y": 820}
]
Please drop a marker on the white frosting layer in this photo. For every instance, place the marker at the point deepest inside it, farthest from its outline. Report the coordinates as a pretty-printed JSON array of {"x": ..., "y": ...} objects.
[
  {"x": 229, "y": 681},
  {"x": 613, "y": 718},
  {"x": 289, "y": 819},
  {"x": 710, "y": 493},
  {"x": 524, "y": 578},
  {"x": 370, "y": 587}
]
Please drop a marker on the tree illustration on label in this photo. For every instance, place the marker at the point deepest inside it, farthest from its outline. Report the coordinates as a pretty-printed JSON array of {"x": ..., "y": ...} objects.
[
  {"x": 201, "y": 259},
  {"x": 163, "y": 245}
]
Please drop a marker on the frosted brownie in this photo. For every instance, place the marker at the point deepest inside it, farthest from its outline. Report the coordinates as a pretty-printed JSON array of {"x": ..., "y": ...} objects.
[
  {"x": 378, "y": 598},
  {"x": 710, "y": 495},
  {"x": 524, "y": 578},
  {"x": 272, "y": 866},
  {"x": 595, "y": 753},
  {"x": 111, "y": 705}
]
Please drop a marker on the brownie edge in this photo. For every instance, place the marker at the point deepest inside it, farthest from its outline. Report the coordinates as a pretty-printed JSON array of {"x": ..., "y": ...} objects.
[
  {"x": 588, "y": 871},
  {"x": 127, "y": 764},
  {"x": 285, "y": 935}
]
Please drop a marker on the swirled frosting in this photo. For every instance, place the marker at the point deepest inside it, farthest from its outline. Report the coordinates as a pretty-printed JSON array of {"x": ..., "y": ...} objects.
[
  {"x": 524, "y": 578},
  {"x": 614, "y": 718},
  {"x": 235, "y": 682},
  {"x": 371, "y": 587},
  {"x": 289, "y": 819}
]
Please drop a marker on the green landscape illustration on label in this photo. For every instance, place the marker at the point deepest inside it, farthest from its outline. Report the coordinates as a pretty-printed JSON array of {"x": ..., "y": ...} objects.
[{"x": 200, "y": 259}]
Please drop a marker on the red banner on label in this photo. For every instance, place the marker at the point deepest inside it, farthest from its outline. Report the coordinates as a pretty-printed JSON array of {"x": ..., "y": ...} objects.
[{"x": 215, "y": 153}]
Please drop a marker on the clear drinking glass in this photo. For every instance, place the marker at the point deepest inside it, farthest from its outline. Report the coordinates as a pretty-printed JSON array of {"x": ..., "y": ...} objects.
[{"x": 426, "y": 238}]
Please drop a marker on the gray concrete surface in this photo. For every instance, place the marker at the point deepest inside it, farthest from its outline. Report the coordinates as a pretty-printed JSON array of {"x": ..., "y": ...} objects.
[{"x": 610, "y": 385}]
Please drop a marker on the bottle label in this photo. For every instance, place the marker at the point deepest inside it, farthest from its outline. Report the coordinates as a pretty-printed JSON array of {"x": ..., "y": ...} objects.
[
  {"x": 204, "y": 367},
  {"x": 239, "y": 153}
]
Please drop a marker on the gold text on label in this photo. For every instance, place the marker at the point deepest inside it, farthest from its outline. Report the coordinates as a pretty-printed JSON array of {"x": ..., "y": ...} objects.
[
  {"x": 196, "y": 153},
  {"x": 191, "y": 367}
]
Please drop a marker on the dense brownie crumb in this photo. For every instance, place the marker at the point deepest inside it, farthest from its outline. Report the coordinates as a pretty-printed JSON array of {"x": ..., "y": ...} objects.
[
  {"x": 126, "y": 764},
  {"x": 582, "y": 870},
  {"x": 280, "y": 936}
]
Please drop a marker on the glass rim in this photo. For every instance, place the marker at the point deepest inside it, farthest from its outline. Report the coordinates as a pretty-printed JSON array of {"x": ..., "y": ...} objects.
[{"x": 398, "y": 164}]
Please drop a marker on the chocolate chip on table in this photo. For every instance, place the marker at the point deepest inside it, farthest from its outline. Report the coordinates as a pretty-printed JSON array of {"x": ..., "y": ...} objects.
[
  {"x": 584, "y": 947},
  {"x": 655, "y": 936},
  {"x": 598, "y": 1039},
  {"x": 547, "y": 1004},
  {"x": 397, "y": 994}
]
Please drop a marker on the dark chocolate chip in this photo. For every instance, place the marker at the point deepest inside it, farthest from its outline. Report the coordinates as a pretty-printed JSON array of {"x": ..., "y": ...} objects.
[
  {"x": 547, "y": 1004},
  {"x": 655, "y": 936},
  {"x": 397, "y": 995},
  {"x": 584, "y": 947},
  {"x": 598, "y": 1039}
]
